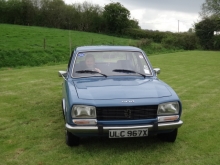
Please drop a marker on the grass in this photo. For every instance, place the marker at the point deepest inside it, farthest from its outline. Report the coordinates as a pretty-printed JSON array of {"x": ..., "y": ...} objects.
[
  {"x": 35, "y": 46},
  {"x": 31, "y": 38},
  {"x": 32, "y": 127}
]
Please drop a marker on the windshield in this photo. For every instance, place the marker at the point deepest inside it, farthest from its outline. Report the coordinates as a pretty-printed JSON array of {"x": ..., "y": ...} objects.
[{"x": 110, "y": 63}]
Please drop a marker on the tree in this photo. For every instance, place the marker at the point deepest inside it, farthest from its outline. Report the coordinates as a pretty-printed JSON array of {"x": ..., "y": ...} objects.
[
  {"x": 133, "y": 23},
  {"x": 3, "y": 11},
  {"x": 210, "y": 7},
  {"x": 56, "y": 16},
  {"x": 89, "y": 16},
  {"x": 116, "y": 17},
  {"x": 191, "y": 30},
  {"x": 28, "y": 12},
  {"x": 205, "y": 32},
  {"x": 210, "y": 23}
]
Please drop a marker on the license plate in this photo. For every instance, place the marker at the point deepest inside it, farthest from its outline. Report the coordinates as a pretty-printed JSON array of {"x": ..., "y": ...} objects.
[{"x": 128, "y": 133}]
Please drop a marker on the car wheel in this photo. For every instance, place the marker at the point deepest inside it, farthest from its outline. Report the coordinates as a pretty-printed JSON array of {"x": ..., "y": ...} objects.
[
  {"x": 168, "y": 137},
  {"x": 71, "y": 140}
]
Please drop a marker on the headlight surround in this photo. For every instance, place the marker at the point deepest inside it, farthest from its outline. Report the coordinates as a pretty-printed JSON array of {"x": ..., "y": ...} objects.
[
  {"x": 169, "y": 108},
  {"x": 83, "y": 111}
]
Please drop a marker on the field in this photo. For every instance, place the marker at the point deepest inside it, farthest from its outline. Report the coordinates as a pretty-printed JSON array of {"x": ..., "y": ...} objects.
[
  {"x": 35, "y": 46},
  {"x": 32, "y": 127}
]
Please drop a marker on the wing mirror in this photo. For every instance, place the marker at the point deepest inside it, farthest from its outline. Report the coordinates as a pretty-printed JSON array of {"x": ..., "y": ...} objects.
[
  {"x": 62, "y": 73},
  {"x": 157, "y": 71}
]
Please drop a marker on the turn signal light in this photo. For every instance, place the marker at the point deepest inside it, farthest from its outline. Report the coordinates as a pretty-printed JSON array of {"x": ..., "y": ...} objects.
[{"x": 168, "y": 118}]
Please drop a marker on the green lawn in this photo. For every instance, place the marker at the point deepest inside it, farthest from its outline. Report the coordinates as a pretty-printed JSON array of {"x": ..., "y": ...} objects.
[{"x": 32, "y": 127}]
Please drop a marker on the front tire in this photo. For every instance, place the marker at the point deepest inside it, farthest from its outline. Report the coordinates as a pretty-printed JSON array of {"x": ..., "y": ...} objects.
[
  {"x": 72, "y": 140},
  {"x": 168, "y": 137}
]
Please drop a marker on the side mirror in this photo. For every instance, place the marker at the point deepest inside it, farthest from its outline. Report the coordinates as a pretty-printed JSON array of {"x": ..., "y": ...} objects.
[
  {"x": 62, "y": 73},
  {"x": 157, "y": 71}
]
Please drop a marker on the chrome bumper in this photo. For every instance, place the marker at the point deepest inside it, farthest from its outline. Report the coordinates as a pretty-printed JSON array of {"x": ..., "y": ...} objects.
[{"x": 105, "y": 129}]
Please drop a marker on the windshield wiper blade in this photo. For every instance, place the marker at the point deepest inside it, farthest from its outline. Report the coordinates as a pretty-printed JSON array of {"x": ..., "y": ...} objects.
[
  {"x": 90, "y": 71},
  {"x": 128, "y": 71}
]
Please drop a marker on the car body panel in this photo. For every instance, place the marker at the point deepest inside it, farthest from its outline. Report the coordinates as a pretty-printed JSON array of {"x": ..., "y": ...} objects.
[{"x": 117, "y": 88}]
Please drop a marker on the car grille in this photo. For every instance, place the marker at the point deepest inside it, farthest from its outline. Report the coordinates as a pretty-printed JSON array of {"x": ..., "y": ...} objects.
[{"x": 126, "y": 113}]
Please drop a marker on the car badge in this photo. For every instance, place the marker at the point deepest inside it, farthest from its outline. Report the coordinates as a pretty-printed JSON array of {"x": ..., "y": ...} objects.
[
  {"x": 128, "y": 101},
  {"x": 127, "y": 113}
]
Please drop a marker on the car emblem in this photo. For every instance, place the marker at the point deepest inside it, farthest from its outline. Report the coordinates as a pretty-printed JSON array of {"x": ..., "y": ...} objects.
[
  {"x": 128, "y": 101},
  {"x": 127, "y": 113}
]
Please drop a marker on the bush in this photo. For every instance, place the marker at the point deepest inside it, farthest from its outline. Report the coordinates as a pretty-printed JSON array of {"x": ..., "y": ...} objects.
[
  {"x": 155, "y": 36},
  {"x": 184, "y": 41},
  {"x": 134, "y": 33},
  {"x": 143, "y": 43}
]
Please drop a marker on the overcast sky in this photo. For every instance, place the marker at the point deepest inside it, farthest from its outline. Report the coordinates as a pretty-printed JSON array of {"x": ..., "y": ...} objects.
[{"x": 162, "y": 15}]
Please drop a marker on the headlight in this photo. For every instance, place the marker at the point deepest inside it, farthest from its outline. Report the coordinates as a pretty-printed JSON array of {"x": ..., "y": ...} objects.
[
  {"x": 168, "y": 108},
  {"x": 83, "y": 111}
]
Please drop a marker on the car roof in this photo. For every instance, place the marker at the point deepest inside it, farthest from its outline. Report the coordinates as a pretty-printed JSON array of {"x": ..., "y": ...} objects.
[{"x": 107, "y": 48}]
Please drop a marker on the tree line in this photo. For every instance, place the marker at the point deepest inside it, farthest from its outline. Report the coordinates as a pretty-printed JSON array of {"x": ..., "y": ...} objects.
[
  {"x": 114, "y": 19},
  {"x": 78, "y": 16}
]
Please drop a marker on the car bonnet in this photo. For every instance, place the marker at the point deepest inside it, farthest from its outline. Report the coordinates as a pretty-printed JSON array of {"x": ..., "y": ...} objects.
[{"x": 120, "y": 88}]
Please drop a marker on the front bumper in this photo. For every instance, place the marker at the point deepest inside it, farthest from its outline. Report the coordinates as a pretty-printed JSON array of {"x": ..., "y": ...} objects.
[{"x": 105, "y": 129}]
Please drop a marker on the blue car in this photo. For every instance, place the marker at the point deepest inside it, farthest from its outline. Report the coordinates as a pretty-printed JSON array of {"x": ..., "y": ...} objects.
[{"x": 114, "y": 91}]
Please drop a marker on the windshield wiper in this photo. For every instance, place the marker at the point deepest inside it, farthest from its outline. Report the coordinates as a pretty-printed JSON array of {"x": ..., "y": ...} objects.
[
  {"x": 90, "y": 71},
  {"x": 128, "y": 71}
]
